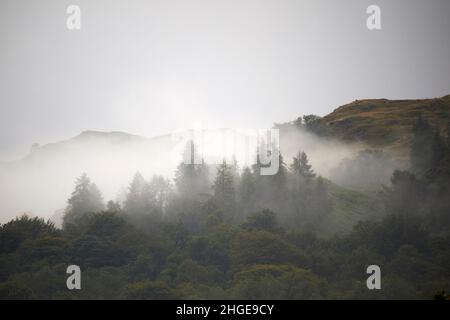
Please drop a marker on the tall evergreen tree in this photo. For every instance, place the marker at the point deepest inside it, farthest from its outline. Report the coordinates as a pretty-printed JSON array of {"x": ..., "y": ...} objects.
[
  {"x": 429, "y": 153},
  {"x": 159, "y": 191},
  {"x": 301, "y": 167},
  {"x": 322, "y": 205},
  {"x": 404, "y": 197},
  {"x": 271, "y": 191},
  {"x": 191, "y": 178},
  {"x": 235, "y": 173},
  {"x": 136, "y": 201},
  {"x": 223, "y": 187},
  {"x": 279, "y": 179},
  {"x": 246, "y": 191},
  {"x": 301, "y": 193},
  {"x": 86, "y": 198}
]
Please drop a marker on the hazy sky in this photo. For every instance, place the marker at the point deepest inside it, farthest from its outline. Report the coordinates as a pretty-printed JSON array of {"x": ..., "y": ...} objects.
[{"x": 151, "y": 67}]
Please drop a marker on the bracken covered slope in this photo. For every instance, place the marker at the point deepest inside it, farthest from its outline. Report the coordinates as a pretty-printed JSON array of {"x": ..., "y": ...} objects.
[{"x": 387, "y": 124}]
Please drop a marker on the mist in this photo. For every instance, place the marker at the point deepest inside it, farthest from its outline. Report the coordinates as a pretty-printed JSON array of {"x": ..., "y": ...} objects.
[
  {"x": 152, "y": 67},
  {"x": 41, "y": 182}
]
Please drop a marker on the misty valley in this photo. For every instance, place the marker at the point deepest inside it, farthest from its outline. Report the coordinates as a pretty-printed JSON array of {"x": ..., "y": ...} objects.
[{"x": 366, "y": 185}]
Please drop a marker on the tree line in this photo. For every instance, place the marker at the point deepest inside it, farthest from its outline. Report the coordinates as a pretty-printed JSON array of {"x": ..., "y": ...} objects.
[
  {"x": 200, "y": 199},
  {"x": 235, "y": 234}
]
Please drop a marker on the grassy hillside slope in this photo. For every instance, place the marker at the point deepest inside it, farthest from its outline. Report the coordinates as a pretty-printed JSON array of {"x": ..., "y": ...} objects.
[{"x": 387, "y": 124}]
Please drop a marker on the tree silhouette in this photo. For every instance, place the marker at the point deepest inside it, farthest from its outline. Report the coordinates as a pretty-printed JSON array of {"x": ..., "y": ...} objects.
[
  {"x": 223, "y": 187},
  {"x": 136, "y": 201},
  {"x": 301, "y": 166},
  {"x": 85, "y": 198}
]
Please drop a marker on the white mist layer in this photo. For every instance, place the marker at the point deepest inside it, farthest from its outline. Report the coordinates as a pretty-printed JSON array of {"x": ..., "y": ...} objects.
[{"x": 41, "y": 183}]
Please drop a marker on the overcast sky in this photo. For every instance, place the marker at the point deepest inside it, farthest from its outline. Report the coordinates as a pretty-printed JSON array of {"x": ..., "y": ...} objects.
[{"x": 155, "y": 66}]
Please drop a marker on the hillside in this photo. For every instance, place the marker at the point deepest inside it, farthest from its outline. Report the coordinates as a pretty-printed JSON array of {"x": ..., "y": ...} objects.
[
  {"x": 382, "y": 123},
  {"x": 350, "y": 207},
  {"x": 41, "y": 182}
]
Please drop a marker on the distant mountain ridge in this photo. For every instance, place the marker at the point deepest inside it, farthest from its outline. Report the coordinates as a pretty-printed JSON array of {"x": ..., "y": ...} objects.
[
  {"x": 41, "y": 182},
  {"x": 378, "y": 123},
  {"x": 112, "y": 137}
]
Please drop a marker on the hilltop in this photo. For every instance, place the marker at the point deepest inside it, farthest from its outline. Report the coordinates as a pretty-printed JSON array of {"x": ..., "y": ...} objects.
[
  {"x": 387, "y": 124},
  {"x": 40, "y": 182}
]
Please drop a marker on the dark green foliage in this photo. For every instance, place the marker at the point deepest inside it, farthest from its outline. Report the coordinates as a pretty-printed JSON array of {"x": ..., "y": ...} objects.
[
  {"x": 15, "y": 232},
  {"x": 15, "y": 290},
  {"x": 313, "y": 124},
  {"x": 263, "y": 247},
  {"x": 256, "y": 260},
  {"x": 264, "y": 220},
  {"x": 147, "y": 290},
  {"x": 268, "y": 281},
  {"x": 247, "y": 237},
  {"x": 429, "y": 152},
  {"x": 405, "y": 194},
  {"x": 209, "y": 251}
]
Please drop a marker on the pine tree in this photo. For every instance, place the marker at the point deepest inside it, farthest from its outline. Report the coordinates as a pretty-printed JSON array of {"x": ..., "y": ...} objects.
[
  {"x": 247, "y": 191},
  {"x": 301, "y": 166},
  {"x": 280, "y": 178},
  {"x": 235, "y": 173},
  {"x": 428, "y": 152},
  {"x": 136, "y": 202},
  {"x": 223, "y": 187},
  {"x": 191, "y": 179},
  {"x": 270, "y": 190},
  {"x": 301, "y": 194},
  {"x": 86, "y": 198},
  {"x": 247, "y": 185},
  {"x": 159, "y": 192},
  {"x": 404, "y": 197}
]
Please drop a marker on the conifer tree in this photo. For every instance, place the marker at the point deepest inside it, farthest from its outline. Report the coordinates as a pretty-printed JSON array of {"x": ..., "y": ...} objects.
[
  {"x": 159, "y": 191},
  {"x": 246, "y": 191},
  {"x": 136, "y": 201},
  {"x": 301, "y": 166},
  {"x": 301, "y": 194},
  {"x": 86, "y": 198},
  {"x": 223, "y": 188},
  {"x": 191, "y": 177}
]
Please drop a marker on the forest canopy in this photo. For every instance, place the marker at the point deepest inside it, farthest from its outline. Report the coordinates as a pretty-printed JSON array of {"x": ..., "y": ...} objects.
[{"x": 224, "y": 232}]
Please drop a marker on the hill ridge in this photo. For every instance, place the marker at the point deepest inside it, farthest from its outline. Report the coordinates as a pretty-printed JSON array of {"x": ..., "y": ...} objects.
[{"x": 384, "y": 123}]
